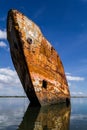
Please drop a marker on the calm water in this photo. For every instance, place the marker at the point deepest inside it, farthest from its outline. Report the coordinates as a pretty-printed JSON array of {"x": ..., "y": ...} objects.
[{"x": 16, "y": 114}]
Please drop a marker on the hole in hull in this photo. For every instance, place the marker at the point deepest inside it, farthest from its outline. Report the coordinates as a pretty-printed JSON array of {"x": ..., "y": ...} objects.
[
  {"x": 44, "y": 84},
  {"x": 29, "y": 40}
]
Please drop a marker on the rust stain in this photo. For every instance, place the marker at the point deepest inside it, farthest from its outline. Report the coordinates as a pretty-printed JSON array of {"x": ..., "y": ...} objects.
[{"x": 38, "y": 65}]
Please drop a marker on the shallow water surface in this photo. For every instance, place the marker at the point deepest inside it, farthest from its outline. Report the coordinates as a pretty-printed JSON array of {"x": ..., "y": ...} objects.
[{"x": 16, "y": 114}]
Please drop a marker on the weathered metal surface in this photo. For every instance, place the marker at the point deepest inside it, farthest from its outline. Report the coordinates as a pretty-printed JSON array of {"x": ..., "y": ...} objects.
[
  {"x": 55, "y": 117},
  {"x": 37, "y": 63}
]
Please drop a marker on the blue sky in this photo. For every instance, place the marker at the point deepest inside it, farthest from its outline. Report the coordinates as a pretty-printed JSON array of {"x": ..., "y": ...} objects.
[{"x": 64, "y": 24}]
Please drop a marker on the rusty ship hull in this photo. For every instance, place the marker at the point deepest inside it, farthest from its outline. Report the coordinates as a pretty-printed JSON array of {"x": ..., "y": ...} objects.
[{"x": 37, "y": 63}]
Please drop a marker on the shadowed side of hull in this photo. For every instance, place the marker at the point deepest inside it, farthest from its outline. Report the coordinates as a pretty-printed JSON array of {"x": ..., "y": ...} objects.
[
  {"x": 18, "y": 59},
  {"x": 37, "y": 63}
]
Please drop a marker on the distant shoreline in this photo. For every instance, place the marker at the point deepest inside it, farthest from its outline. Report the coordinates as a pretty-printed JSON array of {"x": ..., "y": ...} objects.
[
  {"x": 12, "y": 96},
  {"x": 26, "y": 97},
  {"x": 78, "y": 96}
]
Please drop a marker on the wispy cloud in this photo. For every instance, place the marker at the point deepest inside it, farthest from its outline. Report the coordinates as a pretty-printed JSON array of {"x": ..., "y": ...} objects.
[
  {"x": 79, "y": 93},
  {"x": 3, "y": 34},
  {"x": 74, "y": 78},
  {"x": 39, "y": 12},
  {"x": 3, "y": 44}
]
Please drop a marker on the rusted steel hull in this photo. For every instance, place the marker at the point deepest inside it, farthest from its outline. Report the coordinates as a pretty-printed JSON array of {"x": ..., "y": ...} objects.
[{"x": 37, "y": 63}]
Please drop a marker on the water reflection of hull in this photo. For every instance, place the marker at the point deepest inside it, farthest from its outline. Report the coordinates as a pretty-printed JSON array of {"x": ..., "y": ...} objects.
[{"x": 55, "y": 117}]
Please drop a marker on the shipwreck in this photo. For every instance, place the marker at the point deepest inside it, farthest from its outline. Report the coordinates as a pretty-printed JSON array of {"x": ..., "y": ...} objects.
[{"x": 37, "y": 63}]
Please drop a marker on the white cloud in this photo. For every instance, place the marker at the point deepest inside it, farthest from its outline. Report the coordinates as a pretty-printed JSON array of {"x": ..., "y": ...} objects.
[
  {"x": 79, "y": 93},
  {"x": 74, "y": 78},
  {"x": 9, "y": 82},
  {"x": 67, "y": 73},
  {"x": 3, "y": 34},
  {"x": 3, "y": 44},
  {"x": 9, "y": 77}
]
